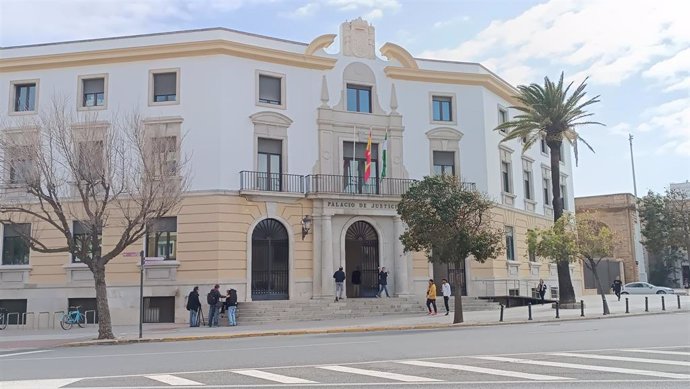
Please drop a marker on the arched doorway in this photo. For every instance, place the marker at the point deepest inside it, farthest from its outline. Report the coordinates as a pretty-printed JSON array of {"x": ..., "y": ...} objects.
[
  {"x": 270, "y": 261},
  {"x": 362, "y": 253}
]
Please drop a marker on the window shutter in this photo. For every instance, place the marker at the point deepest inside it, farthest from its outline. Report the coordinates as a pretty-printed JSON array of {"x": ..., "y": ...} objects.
[
  {"x": 270, "y": 146},
  {"x": 269, "y": 89},
  {"x": 445, "y": 158},
  {"x": 164, "y": 224},
  {"x": 165, "y": 84},
  {"x": 16, "y": 230},
  {"x": 94, "y": 85}
]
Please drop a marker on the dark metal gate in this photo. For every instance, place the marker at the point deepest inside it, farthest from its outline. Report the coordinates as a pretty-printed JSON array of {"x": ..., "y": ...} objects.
[
  {"x": 449, "y": 272},
  {"x": 270, "y": 261},
  {"x": 362, "y": 251}
]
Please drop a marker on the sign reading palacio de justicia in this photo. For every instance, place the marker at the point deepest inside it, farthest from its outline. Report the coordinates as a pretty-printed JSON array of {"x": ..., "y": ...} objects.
[{"x": 361, "y": 205}]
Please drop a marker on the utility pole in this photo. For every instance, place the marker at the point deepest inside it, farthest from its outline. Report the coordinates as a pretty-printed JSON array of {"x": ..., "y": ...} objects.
[
  {"x": 141, "y": 291},
  {"x": 632, "y": 162}
]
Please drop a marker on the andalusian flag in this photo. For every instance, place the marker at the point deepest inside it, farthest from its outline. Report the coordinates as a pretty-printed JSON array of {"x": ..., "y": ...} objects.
[
  {"x": 367, "y": 155},
  {"x": 385, "y": 156}
]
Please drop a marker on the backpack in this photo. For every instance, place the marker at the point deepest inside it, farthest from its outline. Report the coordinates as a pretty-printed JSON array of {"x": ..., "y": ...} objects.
[{"x": 211, "y": 299}]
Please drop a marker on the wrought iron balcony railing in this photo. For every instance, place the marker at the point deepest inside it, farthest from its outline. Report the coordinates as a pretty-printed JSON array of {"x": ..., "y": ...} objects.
[
  {"x": 356, "y": 185},
  {"x": 271, "y": 182}
]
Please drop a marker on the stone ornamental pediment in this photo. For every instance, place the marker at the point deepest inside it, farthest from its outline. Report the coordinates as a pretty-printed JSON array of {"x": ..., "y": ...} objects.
[{"x": 357, "y": 39}]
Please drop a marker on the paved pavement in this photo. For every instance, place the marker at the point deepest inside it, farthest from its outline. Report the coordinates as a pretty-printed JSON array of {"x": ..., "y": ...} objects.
[
  {"x": 16, "y": 339},
  {"x": 650, "y": 351}
]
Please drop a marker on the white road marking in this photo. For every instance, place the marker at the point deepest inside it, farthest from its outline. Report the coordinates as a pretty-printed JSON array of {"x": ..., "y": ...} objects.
[
  {"x": 283, "y": 379},
  {"x": 43, "y": 384},
  {"x": 173, "y": 380},
  {"x": 634, "y": 350},
  {"x": 23, "y": 353},
  {"x": 589, "y": 367},
  {"x": 623, "y": 359},
  {"x": 475, "y": 369},
  {"x": 376, "y": 373}
]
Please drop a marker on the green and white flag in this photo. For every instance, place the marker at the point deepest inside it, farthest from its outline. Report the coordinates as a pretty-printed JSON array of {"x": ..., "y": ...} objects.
[{"x": 384, "y": 167}]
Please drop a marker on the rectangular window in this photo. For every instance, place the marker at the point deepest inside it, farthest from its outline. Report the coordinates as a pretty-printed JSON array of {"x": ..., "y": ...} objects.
[
  {"x": 358, "y": 98},
  {"x": 561, "y": 157},
  {"x": 159, "y": 309},
  {"x": 270, "y": 89},
  {"x": 91, "y": 161},
  {"x": 15, "y": 249},
  {"x": 81, "y": 235},
  {"x": 444, "y": 163},
  {"x": 543, "y": 146},
  {"x": 20, "y": 165},
  {"x": 25, "y": 97},
  {"x": 93, "y": 92},
  {"x": 502, "y": 118},
  {"x": 354, "y": 167},
  {"x": 510, "y": 243},
  {"x": 528, "y": 184},
  {"x": 269, "y": 164},
  {"x": 505, "y": 177},
  {"x": 165, "y": 151},
  {"x": 164, "y": 87},
  {"x": 442, "y": 108},
  {"x": 564, "y": 196},
  {"x": 161, "y": 238}
]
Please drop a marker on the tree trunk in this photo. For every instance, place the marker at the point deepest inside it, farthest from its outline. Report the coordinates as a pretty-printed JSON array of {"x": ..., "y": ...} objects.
[
  {"x": 565, "y": 285},
  {"x": 600, "y": 287},
  {"x": 457, "y": 287},
  {"x": 105, "y": 328}
]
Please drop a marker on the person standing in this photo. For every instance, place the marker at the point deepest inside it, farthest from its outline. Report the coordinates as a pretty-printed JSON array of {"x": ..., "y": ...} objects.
[
  {"x": 383, "y": 282},
  {"x": 541, "y": 289},
  {"x": 431, "y": 297},
  {"x": 445, "y": 289},
  {"x": 339, "y": 277},
  {"x": 194, "y": 306},
  {"x": 356, "y": 281},
  {"x": 617, "y": 286},
  {"x": 231, "y": 307},
  {"x": 213, "y": 300}
]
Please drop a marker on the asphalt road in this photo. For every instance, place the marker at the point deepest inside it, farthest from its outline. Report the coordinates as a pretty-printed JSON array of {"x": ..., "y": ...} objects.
[{"x": 635, "y": 352}]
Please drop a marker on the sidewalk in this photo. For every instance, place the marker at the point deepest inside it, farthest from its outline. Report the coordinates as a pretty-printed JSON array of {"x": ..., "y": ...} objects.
[{"x": 13, "y": 339}]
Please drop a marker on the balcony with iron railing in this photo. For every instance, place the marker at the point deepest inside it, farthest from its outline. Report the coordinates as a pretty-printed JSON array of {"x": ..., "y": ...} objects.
[{"x": 316, "y": 184}]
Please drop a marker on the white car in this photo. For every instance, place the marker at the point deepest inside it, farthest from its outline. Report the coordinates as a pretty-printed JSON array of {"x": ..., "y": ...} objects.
[{"x": 645, "y": 288}]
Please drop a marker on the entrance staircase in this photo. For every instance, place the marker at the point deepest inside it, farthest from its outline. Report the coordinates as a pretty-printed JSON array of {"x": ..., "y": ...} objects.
[{"x": 271, "y": 311}]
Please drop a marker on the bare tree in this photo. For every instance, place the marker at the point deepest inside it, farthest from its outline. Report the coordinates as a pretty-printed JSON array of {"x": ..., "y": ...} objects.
[{"x": 61, "y": 166}]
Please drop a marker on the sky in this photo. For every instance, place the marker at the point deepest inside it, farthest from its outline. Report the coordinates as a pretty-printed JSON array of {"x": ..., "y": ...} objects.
[{"x": 636, "y": 54}]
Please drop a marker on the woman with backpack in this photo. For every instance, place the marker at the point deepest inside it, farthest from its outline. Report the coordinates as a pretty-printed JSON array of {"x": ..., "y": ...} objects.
[{"x": 231, "y": 307}]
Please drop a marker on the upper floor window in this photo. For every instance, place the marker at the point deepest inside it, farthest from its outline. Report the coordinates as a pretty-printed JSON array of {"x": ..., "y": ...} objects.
[
  {"x": 93, "y": 92},
  {"x": 358, "y": 98},
  {"x": 165, "y": 152},
  {"x": 15, "y": 249},
  {"x": 546, "y": 186},
  {"x": 24, "y": 99},
  {"x": 270, "y": 90},
  {"x": 354, "y": 168},
  {"x": 84, "y": 240},
  {"x": 561, "y": 156},
  {"x": 502, "y": 118},
  {"x": 269, "y": 164},
  {"x": 444, "y": 163},
  {"x": 527, "y": 175},
  {"x": 564, "y": 195},
  {"x": 543, "y": 146},
  {"x": 20, "y": 165},
  {"x": 506, "y": 177},
  {"x": 90, "y": 161},
  {"x": 442, "y": 108},
  {"x": 510, "y": 243},
  {"x": 165, "y": 87},
  {"x": 161, "y": 238}
]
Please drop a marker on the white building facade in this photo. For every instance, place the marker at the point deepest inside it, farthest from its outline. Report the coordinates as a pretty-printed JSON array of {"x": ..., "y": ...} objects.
[{"x": 276, "y": 132}]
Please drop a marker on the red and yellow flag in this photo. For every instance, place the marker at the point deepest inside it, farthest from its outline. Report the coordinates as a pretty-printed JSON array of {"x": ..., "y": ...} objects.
[{"x": 367, "y": 155}]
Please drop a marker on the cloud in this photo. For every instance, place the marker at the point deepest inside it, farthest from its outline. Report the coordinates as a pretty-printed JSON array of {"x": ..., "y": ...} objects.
[
  {"x": 670, "y": 120},
  {"x": 371, "y": 9},
  {"x": 451, "y": 22},
  {"x": 673, "y": 73},
  {"x": 304, "y": 11}
]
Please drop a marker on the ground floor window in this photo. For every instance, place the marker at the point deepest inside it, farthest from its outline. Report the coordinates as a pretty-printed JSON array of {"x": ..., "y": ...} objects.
[
  {"x": 86, "y": 304},
  {"x": 159, "y": 309},
  {"x": 13, "y": 310}
]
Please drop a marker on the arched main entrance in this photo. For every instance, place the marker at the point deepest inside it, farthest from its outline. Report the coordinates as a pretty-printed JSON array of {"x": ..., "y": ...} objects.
[
  {"x": 270, "y": 261},
  {"x": 362, "y": 253}
]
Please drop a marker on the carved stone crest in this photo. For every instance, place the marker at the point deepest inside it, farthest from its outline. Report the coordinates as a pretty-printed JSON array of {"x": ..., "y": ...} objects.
[{"x": 357, "y": 39}]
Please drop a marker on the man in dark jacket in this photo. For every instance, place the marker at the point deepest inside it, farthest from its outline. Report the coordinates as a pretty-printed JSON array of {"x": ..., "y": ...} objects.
[
  {"x": 383, "y": 282},
  {"x": 214, "y": 306},
  {"x": 194, "y": 306},
  {"x": 339, "y": 277},
  {"x": 617, "y": 286},
  {"x": 356, "y": 281}
]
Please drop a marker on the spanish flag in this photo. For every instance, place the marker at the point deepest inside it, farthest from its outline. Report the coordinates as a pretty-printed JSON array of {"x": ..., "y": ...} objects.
[{"x": 367, "y": 155}]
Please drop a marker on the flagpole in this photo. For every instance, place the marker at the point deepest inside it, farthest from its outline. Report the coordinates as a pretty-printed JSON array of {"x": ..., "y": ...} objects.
[{"x": 354, "y": 148}]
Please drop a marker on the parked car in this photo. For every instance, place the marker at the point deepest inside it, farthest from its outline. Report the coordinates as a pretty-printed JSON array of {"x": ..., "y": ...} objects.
[{"x": 645, "y": 288}]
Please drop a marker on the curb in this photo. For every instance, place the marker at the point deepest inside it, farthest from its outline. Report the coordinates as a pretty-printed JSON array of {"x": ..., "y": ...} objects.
[{"x": 339, "y": 330}]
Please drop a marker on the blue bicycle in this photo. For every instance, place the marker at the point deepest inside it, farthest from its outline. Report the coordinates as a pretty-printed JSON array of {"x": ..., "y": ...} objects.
[{"x": 72, "y": 317}]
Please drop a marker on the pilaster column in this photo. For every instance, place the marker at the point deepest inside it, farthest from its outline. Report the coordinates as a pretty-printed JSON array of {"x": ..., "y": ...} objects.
[
  {"x": 402, "y": 279},
  {"x": 327, "y": 285},
  {"x": 316, "y": 258}
]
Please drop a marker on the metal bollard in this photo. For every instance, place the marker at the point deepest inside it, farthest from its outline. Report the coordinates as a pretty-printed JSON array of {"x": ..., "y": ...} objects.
[
  {"x": 529, "y": 309},
  {"x": 678, "y": 297},
  {"x": 582, "y": 308},
  {"x": 627, "y": 307},
  {"x": 501, "y": 319},
  {"x": 646, "y": 304},
  {"x": 663, "y": 304},
  {"x": 558, "y": 316}
]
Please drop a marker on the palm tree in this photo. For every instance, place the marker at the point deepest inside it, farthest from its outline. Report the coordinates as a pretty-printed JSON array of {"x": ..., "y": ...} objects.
[{"x": 549, "y": 112}]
